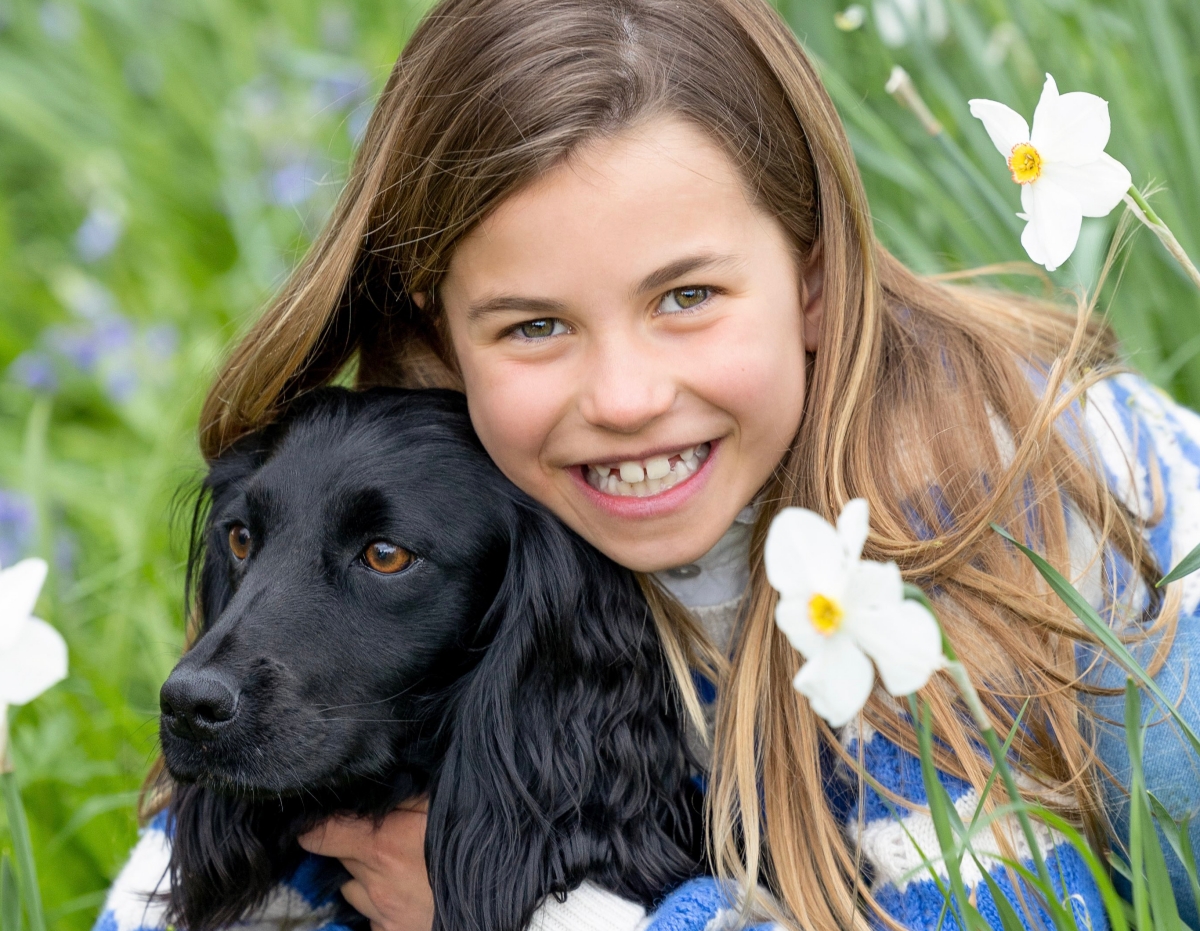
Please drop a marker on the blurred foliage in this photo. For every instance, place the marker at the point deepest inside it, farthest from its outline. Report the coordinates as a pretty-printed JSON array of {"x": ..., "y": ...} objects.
[
  {"x": 163, "y": 164},
  {"x": 948, "y": 203}
]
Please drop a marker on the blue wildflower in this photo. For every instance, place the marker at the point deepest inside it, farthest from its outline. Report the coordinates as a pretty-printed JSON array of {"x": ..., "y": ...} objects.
[
  {"x": 34, "y": 370},
  {"x": 17, "y": 526}
]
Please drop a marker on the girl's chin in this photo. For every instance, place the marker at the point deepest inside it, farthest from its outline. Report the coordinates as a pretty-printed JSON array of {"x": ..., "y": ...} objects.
[{"x": 658, "y": 504}]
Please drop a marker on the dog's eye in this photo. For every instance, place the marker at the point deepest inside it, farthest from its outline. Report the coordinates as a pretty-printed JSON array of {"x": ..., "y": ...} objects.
[
  {"x": 239, "y": 541},
  {"x": 386, "y": 557}
]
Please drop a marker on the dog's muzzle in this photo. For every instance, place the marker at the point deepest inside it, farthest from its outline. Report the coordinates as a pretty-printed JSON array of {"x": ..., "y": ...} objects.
[{"x": 196, "y": 705}]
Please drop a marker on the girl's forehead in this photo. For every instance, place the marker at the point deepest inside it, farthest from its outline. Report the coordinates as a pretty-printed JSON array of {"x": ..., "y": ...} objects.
[{"x": 627, "y": 201}]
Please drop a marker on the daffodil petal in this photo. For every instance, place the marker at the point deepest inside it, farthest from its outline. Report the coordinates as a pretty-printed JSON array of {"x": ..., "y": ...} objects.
[
  {"x": 20, "y": 585},
  {"x": 1099, "y": 186},
  {"x": 1029, "y": 240},
  {"x": 1071, "y": 128},
  {"x": 906, "y": 647},
  {"x": 853, "y": 524},
  {"x": 1004, "y": 125},
  {"x": 1056, "y": 218},
  {"x": 873, "y": 591},
  {"x": 803, "y": 554},
  {"x": 791, "y": 617},
  {"x": 32, "y": 664},
  {"x": 1044, "y": 112},
  {"x": 838, "y": 682}
]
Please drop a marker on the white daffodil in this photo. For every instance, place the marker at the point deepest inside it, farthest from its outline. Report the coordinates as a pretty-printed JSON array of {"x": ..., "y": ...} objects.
[
  {"x": 33, "y": 655},
  {"x": 1064, "y": 172},
  {"x": 842, "y": 612}
]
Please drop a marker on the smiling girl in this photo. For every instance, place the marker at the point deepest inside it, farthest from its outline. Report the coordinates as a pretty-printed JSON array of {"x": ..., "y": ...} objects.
[{"x": 633, "y": 233}]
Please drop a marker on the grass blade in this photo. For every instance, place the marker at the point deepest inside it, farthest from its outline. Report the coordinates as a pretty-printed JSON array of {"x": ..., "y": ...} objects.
[
  {"x": 1009, "y": 919},
  {"x": 1087, "y": 614},
  {"x": 1189, "y": 564},
  {"x": 10, "y": 898},
  {"x": 939, "y": 804},
  {"x": 1179, "y": 840},
  {"x": 18, "y": 827}
]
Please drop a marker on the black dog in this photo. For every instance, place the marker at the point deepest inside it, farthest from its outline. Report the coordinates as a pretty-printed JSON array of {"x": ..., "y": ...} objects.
[{"x": 385, "y": 615}]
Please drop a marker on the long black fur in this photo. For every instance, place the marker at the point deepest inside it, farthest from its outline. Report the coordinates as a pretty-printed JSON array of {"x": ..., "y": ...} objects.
[{"x": 511, "y": 672}]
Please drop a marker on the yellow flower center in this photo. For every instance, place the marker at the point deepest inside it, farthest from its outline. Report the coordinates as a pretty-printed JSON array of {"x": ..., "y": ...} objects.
[
  {"x": 825, "y": 613},
  {"x": 1025, "y": 163}
]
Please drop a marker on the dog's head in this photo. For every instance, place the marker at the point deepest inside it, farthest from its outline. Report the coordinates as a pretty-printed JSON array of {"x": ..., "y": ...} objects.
[
  {"x": 349, "y": 557},
  {"x": 383, "y": 613}
]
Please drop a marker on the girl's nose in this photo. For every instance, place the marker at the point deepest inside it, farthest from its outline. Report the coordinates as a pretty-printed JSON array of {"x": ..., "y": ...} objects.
[{"x": 628, "y": 387}]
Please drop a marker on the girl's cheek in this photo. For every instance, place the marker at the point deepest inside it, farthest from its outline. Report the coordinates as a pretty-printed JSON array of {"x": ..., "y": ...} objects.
[{"x": 513, "y": 409}]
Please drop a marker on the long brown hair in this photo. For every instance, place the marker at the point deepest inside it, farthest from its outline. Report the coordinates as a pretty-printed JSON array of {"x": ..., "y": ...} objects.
[{"x": 943, "y": 405}]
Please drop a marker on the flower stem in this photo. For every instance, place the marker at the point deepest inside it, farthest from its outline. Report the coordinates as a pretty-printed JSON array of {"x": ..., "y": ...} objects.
[
  {"x": 959, "y": 674},
  {"x": 966, "y": 687},
  {"x": 18, "y": 827},
  {"x": 1143, "y": 211}
]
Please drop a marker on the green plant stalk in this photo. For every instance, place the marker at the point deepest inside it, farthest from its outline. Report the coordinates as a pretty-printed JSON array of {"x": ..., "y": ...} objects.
[
  {"x": 18, "y": 827},
  {"x": 958, "y": 673},
  {"x": 1087, "y": 614},
  {"x": 10, "y": 897},
  {"x": 941, "y": 821},
  {"x": 1144, "y": 212}
]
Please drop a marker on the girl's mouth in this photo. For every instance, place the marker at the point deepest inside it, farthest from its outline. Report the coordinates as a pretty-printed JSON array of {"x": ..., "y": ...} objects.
[{"x": 643, "y": 478}]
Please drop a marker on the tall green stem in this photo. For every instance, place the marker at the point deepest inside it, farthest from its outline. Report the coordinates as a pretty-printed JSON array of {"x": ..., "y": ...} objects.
[
  {"x": 967, "y": 688},
  {"x": 18, "y": 827},
  {"x": 1144, "y": 212}
]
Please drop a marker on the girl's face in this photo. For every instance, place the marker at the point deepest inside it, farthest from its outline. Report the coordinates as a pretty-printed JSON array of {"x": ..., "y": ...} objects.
[{"x": 631, "y": 334}]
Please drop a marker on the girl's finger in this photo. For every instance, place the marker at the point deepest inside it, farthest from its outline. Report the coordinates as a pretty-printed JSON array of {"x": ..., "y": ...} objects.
[
  {"x": 355, "y": 893},
  {"x": 339, "y": 837}
]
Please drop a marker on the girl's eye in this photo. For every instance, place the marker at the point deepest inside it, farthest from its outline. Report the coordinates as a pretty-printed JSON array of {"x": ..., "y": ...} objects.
[
  {"x": 684, "y": 299},
  {"x": 386, "y": 557},
  {"x": 239, "y": 541},
  {"x": 540, "y": 329}
]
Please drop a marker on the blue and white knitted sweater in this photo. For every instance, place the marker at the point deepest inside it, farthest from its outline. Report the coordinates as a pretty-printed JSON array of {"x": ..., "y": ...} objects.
[{"x": 1150, "y": 449}]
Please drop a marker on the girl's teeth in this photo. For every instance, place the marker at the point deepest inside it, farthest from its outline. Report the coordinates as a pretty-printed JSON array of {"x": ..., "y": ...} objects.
[
  {"x": 658, "y": 467},
  {"x": 656, "y": 474},
  {"x": 632, "y": 472}
]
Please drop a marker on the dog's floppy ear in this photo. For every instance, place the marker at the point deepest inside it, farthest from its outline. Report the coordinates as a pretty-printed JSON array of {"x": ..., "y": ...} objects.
[
  {"x": 567, "y": 758},
  {"x": 207, "y": 582},
  {"x": 224, "y": 854}
]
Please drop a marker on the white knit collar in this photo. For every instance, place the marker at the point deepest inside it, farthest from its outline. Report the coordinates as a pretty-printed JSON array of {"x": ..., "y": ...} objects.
[{"x": 724, "y": 570}]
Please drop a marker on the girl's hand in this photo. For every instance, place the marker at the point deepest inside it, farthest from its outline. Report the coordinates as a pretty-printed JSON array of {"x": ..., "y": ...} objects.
[{"x": 390, "y": 885}]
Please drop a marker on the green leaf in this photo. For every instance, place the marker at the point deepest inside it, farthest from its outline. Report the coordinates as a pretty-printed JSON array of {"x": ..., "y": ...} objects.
[
  {"x": 1189, "y": 564},
  {"x": 18, "y": 827},
  {"x": 1188, "y": 855},
  {"x": 10, "y": 897},
  {"x": 1009, "y": 919},
  {"x": 1086, "y": 613},
  {"x": 1152, "y": 893},
  {"x": 939, "y": 804},
  {"x": 991, "y": 779},
  {"x": 1178, "y": 839}
]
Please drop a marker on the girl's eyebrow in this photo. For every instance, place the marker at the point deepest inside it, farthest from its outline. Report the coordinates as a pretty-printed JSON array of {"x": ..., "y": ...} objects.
[
  {"x": 680, "y": 267},
  {"x": 541, "y": 306},
  {"x": 510, "y": 302}
]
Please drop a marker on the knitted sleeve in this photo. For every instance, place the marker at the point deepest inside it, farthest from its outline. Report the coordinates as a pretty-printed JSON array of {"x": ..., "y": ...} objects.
[
  {"x": 136, "y": 900},
  {"x": 897, "y": 842}
]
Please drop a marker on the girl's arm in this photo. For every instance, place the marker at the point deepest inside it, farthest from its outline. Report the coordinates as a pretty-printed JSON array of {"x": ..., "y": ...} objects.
[{"x": 1150, "y": 448}]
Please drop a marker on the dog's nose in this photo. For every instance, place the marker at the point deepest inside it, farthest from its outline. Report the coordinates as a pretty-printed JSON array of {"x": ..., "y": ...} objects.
[{"x": 196, "y": 704}]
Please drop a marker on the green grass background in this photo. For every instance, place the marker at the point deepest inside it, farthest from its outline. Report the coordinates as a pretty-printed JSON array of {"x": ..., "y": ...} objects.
[{"x": 164, "y": 162}]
